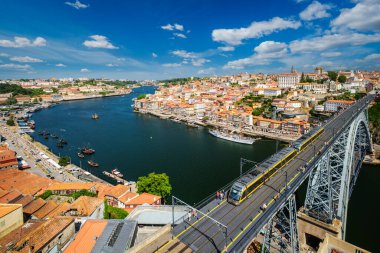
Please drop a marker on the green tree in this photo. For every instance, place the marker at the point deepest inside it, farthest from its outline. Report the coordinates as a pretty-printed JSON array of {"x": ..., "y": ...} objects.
[
  {"x": 11, "y": 101},
  {"x": 64, "y": 160},
  {"x": 342, "y": 78},
  {"x": 257, "y": 111},
  {"x": 302, "y": 78},
  {"x": 157, "y": 184},
  {"x": 332, "y": 75},
  {"x": 111, "y": 212},
  {"x": 45, "y": 195},
  {"x": 141, "y": 96},
  {"x": 11, "y": 121},
  {"x": 83, "y": 192}
]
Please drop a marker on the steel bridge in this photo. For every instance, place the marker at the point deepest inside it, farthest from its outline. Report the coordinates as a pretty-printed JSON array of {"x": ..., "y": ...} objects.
[{"x": 331, "y": 163}]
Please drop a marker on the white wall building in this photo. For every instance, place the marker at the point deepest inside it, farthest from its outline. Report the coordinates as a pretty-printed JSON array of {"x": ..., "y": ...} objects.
[{"x": 288, "y": 80}]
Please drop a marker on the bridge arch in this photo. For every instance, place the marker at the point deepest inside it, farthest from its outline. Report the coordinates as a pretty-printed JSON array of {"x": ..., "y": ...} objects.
[{"x": 332, "y": 180}]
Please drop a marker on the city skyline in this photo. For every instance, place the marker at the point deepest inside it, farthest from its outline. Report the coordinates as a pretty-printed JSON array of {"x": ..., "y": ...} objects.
[{"x": 141, "y": 40}]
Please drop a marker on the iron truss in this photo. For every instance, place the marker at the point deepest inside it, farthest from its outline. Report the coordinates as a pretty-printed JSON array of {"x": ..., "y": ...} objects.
[
  {"x": 282, "y": 234},
  {"x": 332, "y": 180}
]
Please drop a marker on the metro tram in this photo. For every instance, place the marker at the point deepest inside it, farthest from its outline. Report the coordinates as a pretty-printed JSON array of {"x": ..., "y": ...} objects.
[{"x": 249, "y": 183}]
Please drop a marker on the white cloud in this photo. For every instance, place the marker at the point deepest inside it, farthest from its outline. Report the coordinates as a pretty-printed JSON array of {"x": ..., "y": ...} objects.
[
  {"x": 226, "y": 48},
  {"x": 4, "y": 55},
  {"x": 60, "y": 65},
  {"x": 315, "y": 10},
  {"x": 331, "y": 54},
  {"x": 15, "y": 66},
  {"x": 255, "y": 30},
  {"x": 111, "y": 65},
  {"x": 172, "y": 65},
  {"x": 173, "y": 27},
  {"x": 84, "y": 70},
  {"x": 332, "y": 41},
  {"x": 183, "y": 54},
  {"x": 99, "y": 41},
  {"x": 23, "y": 42},
  {"x": 364, "y": 16},
  {"x": 180, "y": 35},
  {"x": 371, "y": 57},
  {"x": 25, "y": 59},
  {"x": 189, "y": 57},
  {"x": 78, "y": 5},
  {"x": 208, "y": 71},
  {"x": 154, "y": 55},
  {"x": 271, "y": 47},
  {"x": 266, "y": 52}
]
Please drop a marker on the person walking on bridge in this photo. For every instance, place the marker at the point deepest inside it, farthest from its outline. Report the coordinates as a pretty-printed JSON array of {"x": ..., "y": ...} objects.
[{"x": 217, "y": 195}]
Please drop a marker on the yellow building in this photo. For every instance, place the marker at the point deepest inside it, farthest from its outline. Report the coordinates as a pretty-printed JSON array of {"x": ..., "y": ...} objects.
[{"x": 10, "y": 218}]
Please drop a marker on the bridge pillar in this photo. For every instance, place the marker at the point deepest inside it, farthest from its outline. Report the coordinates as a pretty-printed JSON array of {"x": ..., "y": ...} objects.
[
  {"x": 282, "y": 233},
  {"x": 312, "y": 231}
]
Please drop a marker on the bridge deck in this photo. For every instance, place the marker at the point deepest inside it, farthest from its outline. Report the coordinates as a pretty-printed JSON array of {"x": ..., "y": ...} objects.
[{"x": 202, "y": 235}]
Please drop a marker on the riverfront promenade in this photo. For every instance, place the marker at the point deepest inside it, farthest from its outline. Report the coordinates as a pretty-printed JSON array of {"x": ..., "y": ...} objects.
[
  {"x": 40, "y": 159},
  {"x": 253, "y": 131}
]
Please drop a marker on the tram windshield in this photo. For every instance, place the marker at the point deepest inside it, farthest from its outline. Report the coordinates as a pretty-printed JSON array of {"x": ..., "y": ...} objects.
[{"x": 235, "y": 194}]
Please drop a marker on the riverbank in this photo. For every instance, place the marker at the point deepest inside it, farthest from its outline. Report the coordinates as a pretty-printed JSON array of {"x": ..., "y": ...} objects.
[
  {"x": 252, "y": 131},
  {"x": 92, "y": 96}
]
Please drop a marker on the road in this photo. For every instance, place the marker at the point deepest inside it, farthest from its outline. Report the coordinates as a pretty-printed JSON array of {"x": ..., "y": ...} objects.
[{"x": 200, "y": 234}]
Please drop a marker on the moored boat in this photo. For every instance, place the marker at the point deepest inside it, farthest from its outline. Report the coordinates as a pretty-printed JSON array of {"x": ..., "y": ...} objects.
[
  {"x": 80, "y": 155},
  {"x": 92, "y": 163},
  {"x": 87, "y": 151},
  {"x": 117, "y": 173},
  {"x": 230, "y": 136},
  {"x": 95, "y": 116}
]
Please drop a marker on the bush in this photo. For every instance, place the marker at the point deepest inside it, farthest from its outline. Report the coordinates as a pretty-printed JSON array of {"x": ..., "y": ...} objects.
[
  {"x": 141, "y": 96},
  {"x": 111, "y": 212},
  {"x": 64, "y": 160},
  {"x": 11, "y": 122},
  {"x": 83, "y": 192},
  {"x": 45, "y": 195}
]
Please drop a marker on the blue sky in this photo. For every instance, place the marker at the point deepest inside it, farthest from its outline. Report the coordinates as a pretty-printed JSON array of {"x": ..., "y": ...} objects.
[{"x": 151, "y": 39}]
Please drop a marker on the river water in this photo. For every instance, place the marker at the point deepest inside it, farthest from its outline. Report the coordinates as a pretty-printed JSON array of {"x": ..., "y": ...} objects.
[{"x": 196, "y": 162}]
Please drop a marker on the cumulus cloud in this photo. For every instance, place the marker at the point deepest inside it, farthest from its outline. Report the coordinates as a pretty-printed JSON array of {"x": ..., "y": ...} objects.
[
  {"x": 371, "y": 57},
  {"x": 60, "y": 65},
  {"x": 23, "y": 42},
  {"x": 180, "y": 35},
  {"x": 99, "y": 41},
  {"x": 255, "y": 30},
  {"x": 331, "y": 54},
  {"x": 332, "y": 41},
  {"x": 173, "y": 27},
  {"x": 154, "y": 55},
  {"x": 77, "y": 5},
  {"x": 4, "y": 55},
  {"x": 84, "y": 70},
  {"x": 25, "y": 59},
  {"x": 189, "y": 57},
  {"x": 315, "y": 10},
  {"x": 264, "y": 54},
  {"x": 111, "y": 65},
  {"x": 226, "y": 48},
  {"x": 364, "y": 16},
  {"x": 208, "y": 71},
  {"x": 15, "y": 66},
  {"x": 172, "y": 65}
]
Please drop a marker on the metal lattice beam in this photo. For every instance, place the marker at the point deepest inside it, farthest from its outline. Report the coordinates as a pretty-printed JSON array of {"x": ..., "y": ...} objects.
[
  {"x": 282, "y": 232},
  {"x": 332, "y": 180}
]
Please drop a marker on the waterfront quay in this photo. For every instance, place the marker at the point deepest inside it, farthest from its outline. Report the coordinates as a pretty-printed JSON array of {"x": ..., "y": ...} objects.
[
  {"x": 41, "y": 161},
  {"x": 254, "y": 131}
]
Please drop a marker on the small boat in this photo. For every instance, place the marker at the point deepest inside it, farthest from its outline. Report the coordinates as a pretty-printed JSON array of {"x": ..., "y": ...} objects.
[
  {"x": 95, "y": 116},
  {"x": 117, "y": 173},
  {"x": 80, "y": 155},
  {"x": 54, "y": 136},
  {"x": 41, "y": 133},
  {"x": 87, "y": 151},
  {"x": 59, "y": 145},
  {"x": 46, "y": 136},
  {"x": 63, "y": 141},
  {"x": 92, "y": 163}
]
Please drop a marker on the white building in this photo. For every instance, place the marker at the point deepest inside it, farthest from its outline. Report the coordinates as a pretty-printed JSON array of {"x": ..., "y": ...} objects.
[
  {"x": 288, "y": 80},
  {"x": 335, "y": 105}
]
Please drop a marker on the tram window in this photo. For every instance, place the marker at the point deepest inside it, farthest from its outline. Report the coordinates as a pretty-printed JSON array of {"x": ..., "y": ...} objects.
[{"x": 235, "y": 194}]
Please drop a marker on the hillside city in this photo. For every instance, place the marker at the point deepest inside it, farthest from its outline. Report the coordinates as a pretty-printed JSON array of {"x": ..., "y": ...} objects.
[{"x": 47, "y": 214}]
